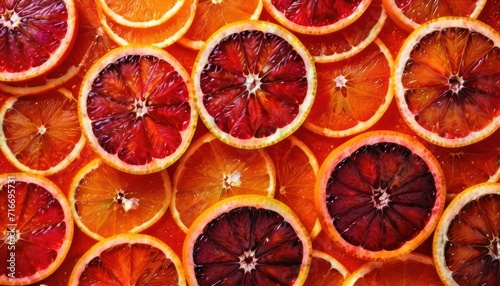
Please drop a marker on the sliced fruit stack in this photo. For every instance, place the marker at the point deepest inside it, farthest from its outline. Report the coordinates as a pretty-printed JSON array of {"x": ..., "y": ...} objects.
[{"x": 256, "y": 142}]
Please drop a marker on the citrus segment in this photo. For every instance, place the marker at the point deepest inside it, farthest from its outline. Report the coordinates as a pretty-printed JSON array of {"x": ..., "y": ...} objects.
[
  {"x": 35, "y": 219},
  {"x": 446, "y": 81},
  {"x": 352, "y": 94},
  {"x": 211, "y": 171},
  {"x": 40, "y": 134},
  {"x": 247, "y": 240},
  {"x": 136, "y": 110},
  {"x": 254, "y": 84},
  {"x": 325, "y": 270},
  {"x": 129, "y": 259},
  {"x": 466, "y": 241},
  {"x": 379, "y": 195}
]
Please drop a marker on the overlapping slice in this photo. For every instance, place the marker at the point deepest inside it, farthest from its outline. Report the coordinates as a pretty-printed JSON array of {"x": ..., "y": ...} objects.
[
  {"x": 136, "y": 110},
  {"x": 325, "y": 270}
]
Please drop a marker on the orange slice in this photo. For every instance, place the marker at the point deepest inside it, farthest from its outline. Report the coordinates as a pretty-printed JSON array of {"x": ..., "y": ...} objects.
[
  {"x": 352, "y": 94},
  {"x": 36, "y": 37},
  {"x": 325, "y": 270},
  {"x": 247, "y": 240},
  {"x": 380, "y": 195},
  {"x": 316, "y": 17},
  {"x": 211, "y": 171},
  {"x": 136, "y": 110},
  {"x": 412, "y": 13},
  {"x": 105, "y": 201},
  {"x": 446, "y": 81},
  {"x": 40, "y": 134},
  {"x": 413, "y": 269},
  {"x": 140, "y": 14},
  {"x": 129, "y": 259},
  {"x": 212, "y": 15},
  {"x": 466, "y": 240},
  {"x": 161, "y": 35},
  {"x": 36, "y": 226},
  {"x": 296, "y": 170},
  {"x": 254, "y": 84}
]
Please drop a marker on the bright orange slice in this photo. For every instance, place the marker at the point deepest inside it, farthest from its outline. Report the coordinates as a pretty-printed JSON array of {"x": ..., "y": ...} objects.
[
  {"x": 325, "y": 270},
  {"x": 211, "y": 171},
  {"x": 247, "y": 240},
  {"x": 380, "y": 195},
  {"x": 40, "y": 134},
  {"x": 136, "y": 110},
  {"x": 129, "y": 259},
  {"x": 446, "y": 81},
  {"x": 36, "y": 36},
  {"x": 36, "y": 228},
  {"x": 352, "y": 94},
  {"x": 254, "y": 84},
  {"x": 466, "y": 241}
]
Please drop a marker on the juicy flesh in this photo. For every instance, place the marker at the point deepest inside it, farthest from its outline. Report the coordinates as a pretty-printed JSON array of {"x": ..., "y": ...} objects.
[
  {"x": 472, "y": 252},
  {"x": 421, "y": 11},
  {"x": 248, "y": 246},
  {"x": 402, "y": 272},
  {"x": 452, "y": 82},
  {"x": 37, "y": 226},
  {"x": 139, "y": 109},
  {"x": 30, "y": 31},
  {"x": 253, "y": 84},
  {"x": 381, "y": 196},
  {"x": 324, "y": 273}
]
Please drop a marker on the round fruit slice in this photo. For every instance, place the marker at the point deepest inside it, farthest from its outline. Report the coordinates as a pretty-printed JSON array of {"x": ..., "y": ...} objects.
[
  {"x": 254, "y": 84},
  {"x": 36, "y": 36},
  {"x": 136, "y": 110},
  {"x": 140, "y": 14},
  {"x": 412, "y": 269},
  {"x": 466, "y": 240},
  {"x": 316, "y": 17},
  {"x": 36, "y": 226},
  {"x": 352, "y": 94},
  {"x": 211, "y": 171},
  {"x": 446, "y": 81},
  {"x": 247, "y": 240},
  {"x": 296, "y": 170},
  {"x": 380, "y": 195},
  {"x": 410, "y": 14},
  {"x": 40, "y": 134},
  {"x": 129, "y": 259},
  {"x": 105, "y": 201},
  {"x": 325, "y": 270}
]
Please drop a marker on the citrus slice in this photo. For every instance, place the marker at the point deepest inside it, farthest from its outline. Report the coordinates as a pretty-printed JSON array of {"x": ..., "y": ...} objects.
[
  {"x": 105, "y": 201},
  {"x": 325, "y": 270},
  {"x": 410, "y": 14},
  {"x": 212, "y": 15},
  {"x": 296, "y": 170},
  {"x": 254, "y": 84},
  {"x": 129, "y": 259},
  {"x": 353, "y": 94},
  {"x": 136, "y": 110},
  {"x": 380, "y": 195},
  {"x": 465, "y": 245},
  {"x": 36, "y": 36},
  {"x": 413, "y": 269},
  {"x": 40, "y": 134},
  {"x": 316, "y": 17},
  {"x": 247, "y": 240},
  {"x": 211, "y": 171},
  {"x": 446, "y": 81},
  {"x": 140, "y": 14},
  {"x": 35, "y": 219},
  {"x": 161, "y": 35}
]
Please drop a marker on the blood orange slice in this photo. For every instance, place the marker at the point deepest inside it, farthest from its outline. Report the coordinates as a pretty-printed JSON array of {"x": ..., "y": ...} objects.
[
  {"x": 247, "y": 240},
  {"x": 35, "y": 36},
  {"x": 136, "y": 110},
  {"x": 325, "y": 270},
  {"x": 380, "y": 195},
  {"x": 254, "y": 84},
  {"x": 129, "y": 259},
  {"x": 36, "y": 226}
]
